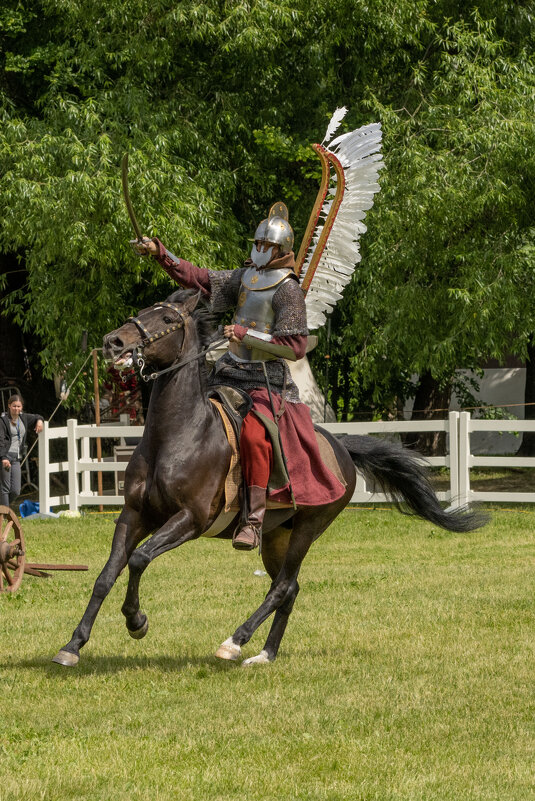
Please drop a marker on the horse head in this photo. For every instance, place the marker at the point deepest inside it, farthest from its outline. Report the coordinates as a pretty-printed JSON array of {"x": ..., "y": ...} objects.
[{"x": 155, "y": 336}]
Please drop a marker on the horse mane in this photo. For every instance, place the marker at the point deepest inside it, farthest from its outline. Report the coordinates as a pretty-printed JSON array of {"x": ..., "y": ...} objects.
[{"x": 203, "y": 316}]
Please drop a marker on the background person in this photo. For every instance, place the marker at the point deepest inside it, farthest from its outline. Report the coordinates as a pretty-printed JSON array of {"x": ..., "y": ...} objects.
[{"x": 14, "y": 425}]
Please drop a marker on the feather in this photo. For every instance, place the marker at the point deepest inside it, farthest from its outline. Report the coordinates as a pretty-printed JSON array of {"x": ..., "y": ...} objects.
[
  {"x": 333, "y": 125},
  {"x": 359, "y": 155}
]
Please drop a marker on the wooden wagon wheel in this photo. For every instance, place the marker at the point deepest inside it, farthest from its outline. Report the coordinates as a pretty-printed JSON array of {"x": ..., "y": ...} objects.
[{"x": 12, "y": 551}]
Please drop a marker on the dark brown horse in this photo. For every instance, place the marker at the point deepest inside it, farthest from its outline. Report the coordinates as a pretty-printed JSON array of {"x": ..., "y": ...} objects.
[{"x": 174, "y": 481}]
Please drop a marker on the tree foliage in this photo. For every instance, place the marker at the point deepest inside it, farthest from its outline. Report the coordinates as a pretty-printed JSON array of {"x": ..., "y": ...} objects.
[
  {"x": 217, "y": 103},
  {"x": 450, "y": 246}
]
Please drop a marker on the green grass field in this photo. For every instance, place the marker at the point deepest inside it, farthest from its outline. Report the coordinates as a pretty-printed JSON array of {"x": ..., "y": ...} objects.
[{"x": 407, "y": 672}]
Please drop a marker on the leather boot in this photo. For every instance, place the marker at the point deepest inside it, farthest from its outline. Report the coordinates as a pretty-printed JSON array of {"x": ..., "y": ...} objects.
[{"x": 247, "y": 535}]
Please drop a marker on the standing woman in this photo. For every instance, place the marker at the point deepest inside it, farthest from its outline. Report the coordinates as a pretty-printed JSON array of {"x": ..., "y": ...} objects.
[{"x": 13, "y": 428}]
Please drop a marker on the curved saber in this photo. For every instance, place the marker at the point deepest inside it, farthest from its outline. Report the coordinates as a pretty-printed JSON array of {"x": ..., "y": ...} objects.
[{"x": 126, "y": 195}]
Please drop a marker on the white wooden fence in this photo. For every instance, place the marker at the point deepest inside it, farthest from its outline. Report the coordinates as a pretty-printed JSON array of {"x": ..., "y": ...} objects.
[
  {"x": 467, "y": 426},
  {"x": 458, "y": 427},
  {"x": 79, "y": 464}
]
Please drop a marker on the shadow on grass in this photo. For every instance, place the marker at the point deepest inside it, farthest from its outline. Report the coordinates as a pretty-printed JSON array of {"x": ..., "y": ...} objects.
[{"x": 91, "y": 665}]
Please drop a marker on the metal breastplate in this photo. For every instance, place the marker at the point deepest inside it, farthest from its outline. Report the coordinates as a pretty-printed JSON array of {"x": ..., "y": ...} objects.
[{"x": 255, "y": 308}]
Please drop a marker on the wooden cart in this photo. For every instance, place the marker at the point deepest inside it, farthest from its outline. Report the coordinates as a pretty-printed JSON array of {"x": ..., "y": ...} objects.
[{"x": 13, "y": 563}]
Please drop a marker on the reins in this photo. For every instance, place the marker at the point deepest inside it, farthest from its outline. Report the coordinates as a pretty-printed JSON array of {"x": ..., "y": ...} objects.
[
  {"x": 139, "y": 361},
  {"x": 149, "y": 337}
]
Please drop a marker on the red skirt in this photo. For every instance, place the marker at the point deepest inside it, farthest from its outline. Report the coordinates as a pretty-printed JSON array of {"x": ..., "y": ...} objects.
[{"x": 313, "y": 484}]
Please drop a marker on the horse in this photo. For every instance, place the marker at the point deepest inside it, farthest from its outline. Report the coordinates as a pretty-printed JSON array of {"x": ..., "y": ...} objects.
[{"x": 174, "y": 481}]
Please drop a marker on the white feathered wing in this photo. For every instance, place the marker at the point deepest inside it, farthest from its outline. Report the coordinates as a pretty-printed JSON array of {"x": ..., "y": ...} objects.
[{"x": 359, "y": 155}]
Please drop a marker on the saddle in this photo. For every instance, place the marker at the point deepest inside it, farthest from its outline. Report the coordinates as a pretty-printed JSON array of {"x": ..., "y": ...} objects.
[{"x": 236, "y": 404}]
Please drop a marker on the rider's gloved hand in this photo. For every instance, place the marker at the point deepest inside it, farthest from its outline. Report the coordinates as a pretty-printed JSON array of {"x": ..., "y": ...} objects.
[
  {"x": 144, "y": 248},
  {"x": 234, "y": 332}
]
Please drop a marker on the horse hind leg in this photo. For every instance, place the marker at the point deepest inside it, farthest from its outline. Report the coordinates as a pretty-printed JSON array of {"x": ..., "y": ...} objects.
[
  {"x": 286, "y": 557},
  {"x": 274, "y": 552},
  {"x": 273, "y": 558},
  {"x": 276, "y": 632}
]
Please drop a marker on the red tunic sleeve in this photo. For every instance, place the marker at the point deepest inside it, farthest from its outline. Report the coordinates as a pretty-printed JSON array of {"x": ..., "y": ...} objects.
[
  {"x": 183, "y": 272},
  {"x": 297, "y": 342}
]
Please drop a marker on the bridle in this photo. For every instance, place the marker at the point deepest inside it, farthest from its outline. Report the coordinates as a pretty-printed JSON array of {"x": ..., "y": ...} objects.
[{"x": 148, "y": 338}]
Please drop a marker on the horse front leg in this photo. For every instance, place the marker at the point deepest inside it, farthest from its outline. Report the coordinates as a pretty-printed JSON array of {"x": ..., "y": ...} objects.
[
  {"x": 178, "y": 530},
  {"x": 128, "y": 532}
]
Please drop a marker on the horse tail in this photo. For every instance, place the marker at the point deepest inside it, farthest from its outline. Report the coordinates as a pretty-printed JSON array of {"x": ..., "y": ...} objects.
[{"x": 403, "y": 476}]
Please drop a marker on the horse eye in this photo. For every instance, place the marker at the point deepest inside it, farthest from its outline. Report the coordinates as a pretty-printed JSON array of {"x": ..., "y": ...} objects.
[{"x": 167, "y": 319}]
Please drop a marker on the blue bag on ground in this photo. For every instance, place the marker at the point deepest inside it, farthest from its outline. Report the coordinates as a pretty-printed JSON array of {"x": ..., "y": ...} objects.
[{"x": 28, "y": 508}]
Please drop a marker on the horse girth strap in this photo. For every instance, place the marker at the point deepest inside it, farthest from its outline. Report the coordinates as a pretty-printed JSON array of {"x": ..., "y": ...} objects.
[{"x": 148, "y": 337}]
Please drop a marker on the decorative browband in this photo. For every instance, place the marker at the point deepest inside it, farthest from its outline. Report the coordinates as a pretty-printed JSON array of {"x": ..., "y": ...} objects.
[{"x": 148, "y": 337}]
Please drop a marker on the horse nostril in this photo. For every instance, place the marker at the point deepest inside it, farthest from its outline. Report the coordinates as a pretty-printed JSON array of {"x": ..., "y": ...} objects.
[
  {"x": 116, "y": 343},
  {"x": 113, "y": 343}
]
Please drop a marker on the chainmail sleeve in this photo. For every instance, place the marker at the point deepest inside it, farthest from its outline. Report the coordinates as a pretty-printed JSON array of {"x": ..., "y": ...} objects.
[
  {"x": 224, "y": 289},
  {"x": 290, "y": 310}
]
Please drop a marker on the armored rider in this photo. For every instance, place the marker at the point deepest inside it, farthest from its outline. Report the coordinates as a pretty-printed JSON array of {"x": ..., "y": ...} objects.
[{"x": 269, "y": 326}]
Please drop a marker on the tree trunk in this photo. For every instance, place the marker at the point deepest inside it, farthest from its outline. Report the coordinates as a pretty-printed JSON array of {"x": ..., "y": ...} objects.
[
  {"x": 430, "y": 402},
  {"x": 334, "y": 386},
  {"x": 347, "y": 388},
  {"x": 527, "y": 446}
]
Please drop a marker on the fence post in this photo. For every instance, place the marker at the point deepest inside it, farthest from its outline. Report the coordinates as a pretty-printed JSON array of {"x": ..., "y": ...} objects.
[
  {"x": 44, "y": 475},
  {"x": 85, "y": 456},
  {"x": 72, "y": 455},
  {"x": 464, "y": 458},
  {"x": 453, "y": 418},
  {"x": 124, "y": 419}
]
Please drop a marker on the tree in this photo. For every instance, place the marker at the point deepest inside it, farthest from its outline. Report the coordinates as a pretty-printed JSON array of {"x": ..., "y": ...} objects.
[
  {"x": 217, "y": 103},
  {"x": 448, "y": 253}
]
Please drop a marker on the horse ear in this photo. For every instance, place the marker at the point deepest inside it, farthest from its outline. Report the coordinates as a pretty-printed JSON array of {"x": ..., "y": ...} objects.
[{"x": 191, "y": 303}]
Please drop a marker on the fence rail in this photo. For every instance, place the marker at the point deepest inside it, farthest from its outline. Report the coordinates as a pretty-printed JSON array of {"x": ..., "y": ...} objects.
[
  {"x": 458, "y": 427},
  {"x": 467, "y": 460}
]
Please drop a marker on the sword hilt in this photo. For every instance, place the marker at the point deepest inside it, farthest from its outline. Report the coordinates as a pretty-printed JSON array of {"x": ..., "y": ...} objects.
[{"x": 133, "y": 244}]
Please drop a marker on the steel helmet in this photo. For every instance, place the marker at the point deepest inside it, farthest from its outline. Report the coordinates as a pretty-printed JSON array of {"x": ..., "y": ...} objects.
[{"x": 276, "y": 229}]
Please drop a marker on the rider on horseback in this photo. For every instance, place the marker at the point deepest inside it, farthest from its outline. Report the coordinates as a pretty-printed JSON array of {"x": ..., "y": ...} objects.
[{"x": 269, "y": 325}]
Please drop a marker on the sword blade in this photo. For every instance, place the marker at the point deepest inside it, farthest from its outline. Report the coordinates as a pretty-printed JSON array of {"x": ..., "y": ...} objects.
[{"x": 126, "y": 195}]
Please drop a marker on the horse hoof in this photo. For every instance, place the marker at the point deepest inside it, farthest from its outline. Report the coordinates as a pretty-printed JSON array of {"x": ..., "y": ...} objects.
[
  {"x": 138, "y": 634},
  {"x": 66, "y": 658},
  {"x": 261, "y": 659},
  {"x": 228, "y": 650}
]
